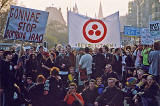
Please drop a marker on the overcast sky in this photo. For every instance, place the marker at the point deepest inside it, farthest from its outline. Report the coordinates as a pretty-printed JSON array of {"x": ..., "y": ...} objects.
[{"x": 89, "y": 7}]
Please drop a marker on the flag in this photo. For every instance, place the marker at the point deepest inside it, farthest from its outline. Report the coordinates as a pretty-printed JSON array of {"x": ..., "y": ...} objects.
[{"x": 85, "y": 30}]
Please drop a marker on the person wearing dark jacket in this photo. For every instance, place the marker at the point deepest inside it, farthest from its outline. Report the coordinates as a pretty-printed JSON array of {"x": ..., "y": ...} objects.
[
  {"x": 99, "y": 60},
  {"x": 32, "y": 66},
  {"x": 109, "y": 58},
  {"x": 117, "y": 65},
  {"x": 150, "y": 91},
  {"x": 108, "y": 73},
  {"x": 46, "y": 64},
  {"x": 63, "y": 63},
  {"x": 53, "y": 89},
  {"x": 111, "y": 96},
  {"x": 89, "y": 95},
  {"x": 36, "y": 92},
  {"x": 7, "y": 79},
  {"x": 128, "y": 60}
]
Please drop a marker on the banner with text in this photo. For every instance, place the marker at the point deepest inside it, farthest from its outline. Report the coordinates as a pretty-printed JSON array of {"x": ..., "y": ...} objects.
[
  {"x": 93, "y": 32},
  {"x": 132, "y": 31},
  {"x": 26, "y": 24},
  {"x": 146, "y": 38},
  {"x": 155, "y": 28}
]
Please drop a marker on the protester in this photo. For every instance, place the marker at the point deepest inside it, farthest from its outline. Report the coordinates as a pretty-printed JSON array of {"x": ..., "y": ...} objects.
[
  {"x": 72, "y": 76},
  {"x": 85, "y": 65},
  {"x": 73, "y": 97},
  {"x": 8, "y": 79},
  {"x": 111, "y": 96},
  {"x": 117, "y": 65},
  {"x": 108, "y": 73},
  {"x": 36, "y": 92},
  {"x": 99, "y": 61},
  {"x": 89, "y": 95},
  {"x": 154, "y": 60},
  {"x": 32, "y": 66}
]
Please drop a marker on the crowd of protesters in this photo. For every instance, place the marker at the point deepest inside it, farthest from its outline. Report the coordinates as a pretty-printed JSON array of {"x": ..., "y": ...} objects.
[{"x": 65, "y": 76}]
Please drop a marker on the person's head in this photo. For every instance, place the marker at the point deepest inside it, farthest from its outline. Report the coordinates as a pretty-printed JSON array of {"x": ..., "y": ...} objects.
[
  {"x": 40, "y": 79},
  {"x": 54, "y": 71},
  {"x": 95, "y": 50},
  {"x": 128, "y": 52},
  {"x": 63, "y": 51},
  {"x": 27, "y": 51},
  {"x": 128, "y": 48},
  {"x": 72, "y": 87},
  {"x": 135, "y": 73},
  {"x": 157, "y": 45},
  {"x": 140, "y": 47},
  {"x": 100, "y": 50},
  {"x": 92, "y": 84},
  {"x": 29, "y": 80},
  {"x": 150, "y": 80},
  {"x": 81, "y": 51},
  {"x": 1, "y": 52},
  {"x": 105, "y": 49},
  {"x": 144, "y": 78},
  {"x": 32, "y": 56},
  {"x": 108, "y": 68},
  {"x": 117, "y": 51},
  {"x": 31, "y": 51},
  {"x": 140, "y": 73},
  {"x": 87, "y": 50},
  {"x": 71, "y": 70},
  {"x": 40, "y": 49},
  {"x": 111, "y": 82},
  {"x": 68, "y": 48},
  {"x": 98, "y": 81},
  {"x": 45, "y": 55},
  {"x": 8, "y": 55}
]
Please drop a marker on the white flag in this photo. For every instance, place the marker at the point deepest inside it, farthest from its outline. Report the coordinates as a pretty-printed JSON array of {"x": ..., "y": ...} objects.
[{"x": 86, "y": 30}]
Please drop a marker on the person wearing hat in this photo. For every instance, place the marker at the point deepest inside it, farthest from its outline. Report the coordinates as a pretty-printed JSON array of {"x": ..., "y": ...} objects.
[
  {"x": 7, "y": 78},
  {"x": 130, "y": 90}
]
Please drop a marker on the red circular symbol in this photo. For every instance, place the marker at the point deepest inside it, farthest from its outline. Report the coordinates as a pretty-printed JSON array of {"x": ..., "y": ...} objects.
[
  {"x": 98, "y": 33},
  {"x": 91, "y": 32},
  {"x": 94, "y": 26},
  {"x": 94, "y": 31}
]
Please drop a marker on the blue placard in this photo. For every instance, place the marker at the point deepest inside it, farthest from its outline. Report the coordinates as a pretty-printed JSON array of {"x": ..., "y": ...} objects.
[{"x": 132, "y": 31}]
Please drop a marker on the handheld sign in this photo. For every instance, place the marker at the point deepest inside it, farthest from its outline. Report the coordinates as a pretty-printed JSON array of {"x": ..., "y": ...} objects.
[{"x": 26, "y": 24}]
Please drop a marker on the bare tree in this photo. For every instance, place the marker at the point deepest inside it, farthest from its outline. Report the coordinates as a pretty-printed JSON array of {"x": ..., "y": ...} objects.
[{"x": 4, "y": 9}]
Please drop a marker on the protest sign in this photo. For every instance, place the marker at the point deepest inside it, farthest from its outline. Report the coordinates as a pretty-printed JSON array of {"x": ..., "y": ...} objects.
[{"x": 26, "y": 24}]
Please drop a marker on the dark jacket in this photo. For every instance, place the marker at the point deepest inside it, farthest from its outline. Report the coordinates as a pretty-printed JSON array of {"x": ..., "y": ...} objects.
[
  {"x": 105, "y": 77},
  {"x": 55, "y": 95},
  {"x": 99, "y": 61},
  {"x": 63, "y": 60},
  {"x": 36, "y": 95},
  {"x": 111, "y": 96},
  {"x": 117, "y": 65},
  {"x": 90, "y": 96},
  {"x": 109, "y": 58},
  {"x": 7, "y": 74}
]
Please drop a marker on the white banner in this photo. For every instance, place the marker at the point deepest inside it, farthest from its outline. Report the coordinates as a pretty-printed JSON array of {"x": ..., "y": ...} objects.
[
  {"x": 26, "y": 24},
  {"x": 86, "y": 31}
]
